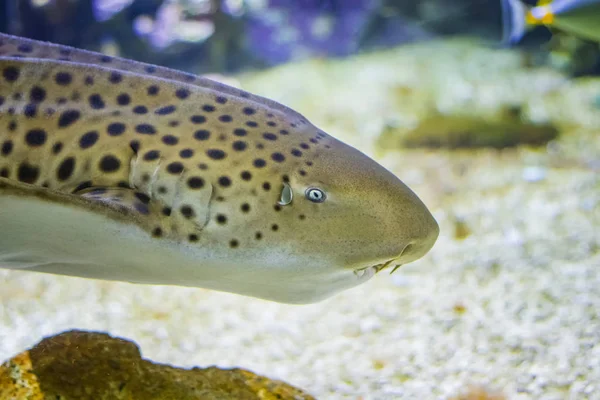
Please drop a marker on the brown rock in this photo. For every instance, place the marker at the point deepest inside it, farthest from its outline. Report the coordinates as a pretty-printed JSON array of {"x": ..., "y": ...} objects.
[{"x": 79, "y": 365}]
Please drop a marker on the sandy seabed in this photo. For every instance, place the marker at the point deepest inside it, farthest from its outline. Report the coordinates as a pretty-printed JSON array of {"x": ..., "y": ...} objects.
[{"x": 508, "y": 299}]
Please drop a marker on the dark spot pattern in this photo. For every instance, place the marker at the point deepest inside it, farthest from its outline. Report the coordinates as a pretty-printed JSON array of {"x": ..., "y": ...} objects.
[
  {"x": 30, "y": 110},
  {"x": 259, "y": 163},
  {"x": 110, "y": 163},
  {"x": 182, "y": 93},
  {"x": 11, "y": 74},
  {"x": 175, "y": 167},
  {"x": 195, "y": 182},
  {"x": 68, "y": 118},
  {"x": 202, "y": 134},
  {"x": 115, "y": 77},
  {"x": 216, "y": 154},
  {"x": 170, "y": 140},
  {"x": 278, "y": 157},
  {"x": 151, "y": 155},
  {"x": 63, "y": 78},
  {"x": 96, "y": 101},
  {"x": 115, "y": 129},
  {"x": 140, "y": 110},
  {"x": 36, "y": 137},
  {"x": 57, "y": 147},
  {"x": 187, "y": 211},
  {"x": 66, "y": 168},
  {"x": 28, "y": 173},
  {"x": 36, "y": 94},
  {"x": 246, "y": 175},
  {"x": 165, "y": 110},
  {"x": 198, "y": 119},
  {"x": 88, "y": 139},
  {"x": 224, "y": 181},
  {"x": 123, "y": 99},
  {"x": 145, "y": 129},
  {"x": 186, "y": 153},
  {"x": 239, "y": 145},
  {"x": 7, "y": 148}
]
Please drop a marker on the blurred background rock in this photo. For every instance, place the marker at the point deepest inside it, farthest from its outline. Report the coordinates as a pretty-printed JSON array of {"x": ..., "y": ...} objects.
[{"x": 227, "y": 36}]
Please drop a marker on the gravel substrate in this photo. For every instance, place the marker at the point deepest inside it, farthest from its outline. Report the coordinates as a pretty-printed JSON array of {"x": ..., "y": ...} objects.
[{"x": 508, "y": 299}]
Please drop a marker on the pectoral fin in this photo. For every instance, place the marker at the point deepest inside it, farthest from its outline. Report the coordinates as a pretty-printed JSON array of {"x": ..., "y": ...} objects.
[
  {"x": 103, "y": 233},
  {"x": 120, "y": 204}
]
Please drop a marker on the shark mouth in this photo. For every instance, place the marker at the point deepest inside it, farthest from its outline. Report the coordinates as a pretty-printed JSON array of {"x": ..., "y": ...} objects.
[{"x": 372, "y": 270}]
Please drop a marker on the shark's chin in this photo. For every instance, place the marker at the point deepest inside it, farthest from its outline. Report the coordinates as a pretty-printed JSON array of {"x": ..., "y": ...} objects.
[{"x": 297, "y": 289}]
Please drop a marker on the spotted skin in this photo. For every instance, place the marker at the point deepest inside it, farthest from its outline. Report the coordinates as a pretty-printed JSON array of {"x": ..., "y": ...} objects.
[{"x": 191, "y": 171}]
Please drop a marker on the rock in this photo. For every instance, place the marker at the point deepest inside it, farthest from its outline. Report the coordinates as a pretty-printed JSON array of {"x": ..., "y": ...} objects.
[
  {"x": 79, "y": 365},
  {"x": 457, "y": 131}
]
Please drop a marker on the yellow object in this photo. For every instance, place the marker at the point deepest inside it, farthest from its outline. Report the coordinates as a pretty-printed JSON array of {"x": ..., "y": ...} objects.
[{"x": 547, "y": 19}]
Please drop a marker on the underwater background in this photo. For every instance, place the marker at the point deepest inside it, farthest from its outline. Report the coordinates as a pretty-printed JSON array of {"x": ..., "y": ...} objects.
[{"x": 501, "y": 143}]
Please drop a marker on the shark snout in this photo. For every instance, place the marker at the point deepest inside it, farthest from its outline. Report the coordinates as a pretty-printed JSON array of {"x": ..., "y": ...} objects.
[{"x": 421, "y": 238}]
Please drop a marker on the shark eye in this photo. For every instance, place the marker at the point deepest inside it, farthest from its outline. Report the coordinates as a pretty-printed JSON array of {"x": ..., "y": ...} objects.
[
  {"x": 286, "y": 195},
  {"x": 315, "y": 195}
]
